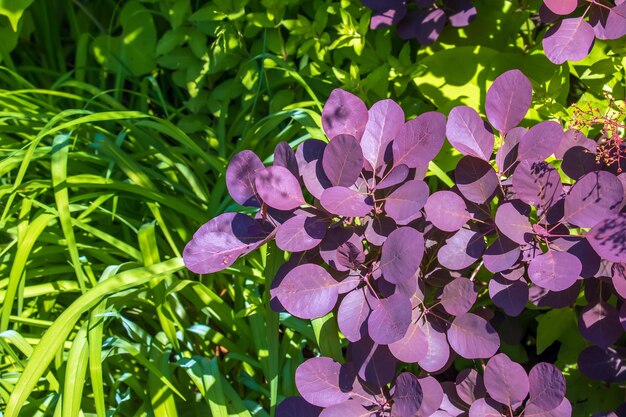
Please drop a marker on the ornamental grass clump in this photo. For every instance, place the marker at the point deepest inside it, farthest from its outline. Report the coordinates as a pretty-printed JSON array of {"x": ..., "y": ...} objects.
[{"x": 416, "y": 275}]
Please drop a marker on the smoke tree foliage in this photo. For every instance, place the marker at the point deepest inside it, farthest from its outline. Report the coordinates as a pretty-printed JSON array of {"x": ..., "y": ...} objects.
[
  {"x": 423, "y": 20},
  {"x": 398, "y": 262},
  {"x": 578, "y": 24}
]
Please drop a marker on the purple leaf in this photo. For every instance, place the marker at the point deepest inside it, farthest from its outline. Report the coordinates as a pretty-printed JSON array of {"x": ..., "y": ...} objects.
[
  {"x": 446, "y": 211},
  {"x": 511, "y": 296},
  {"x": 408, "y": 395},
  {"x": 386, "y": 118},
  {"x": 469, "y": 134},
  {"x": 618, "y": 277},
  {"x": 402, "y": 254},
  {"x": 547, "y": 386},
  {"x": 476, "y": 179},
  {"x": 297, "y": 406},
  {"x": 344, "y": 114},
  {"x": 473, "y": 337},
  {"x": 308, "y": 151},
  {"x": 433, "y": 396},
  {"x": 537, "y": 183},
  {"x": 501, "y": 255},
  {"x": 462, "y": 13},
  {"x": 541, "y": 141},
  {"x": 350, "y": 408},
  {"x": 219, "y": 242},
  {"x": 485, "y": 407},
  {"x": 422, "y": 344},
  {"x": 593, "y": 198},
  {"x": 461, "y": 249},
  {"x": 506, "y": 157},
  {"x": 512, "y": 221},
  {"x": 470, "y": 386},
  {"x": 608, "y": 238},
  {"x": 315, "y": 179},
  {"x": 390, "y": 319},
  {"x": 240, "y": 176},
  {"x": 563, "y": 410},
  {"x": 384, "y": 18},
  {"x": 352, "y": 315},
  {"x": 568, "y": 40},
  {"x": 285, "y": 157},
  {"x": 378, "y": 228},
  {"x": 554, "y": 270},
  {"x": 347, "y": 202},
  {"x": 404, "y": 204},
  {"x": 508, "y": 100},
  {"x": 603, "y": 364},
  {"x": 553, "y": 299},
  {"x": 342, "y": 160},
  {"x": 423, "y": 26},
  {"x": 278, "y": 188},
  {"x": 583, "y": 251},
  {"x": 350, "y": 256},
  {"x": 608, "y": 22},
  {"x": 300, "y": 233},
  {"x": 335, "y": 237},
  {"x": 397, "y": 175},
  {"x": 574, "y": 138},
  {"x": 561, "y": 7},
  {"x": 506, "y": 381},
  {"x": 308, "y": 291},
  {"x": 600, "y": 324},
  {"x": 458, "y": 296},
  {"x": 578, "y": 161},
  {"x": 419, "y": 140},
  {"x": 323, "y": 382},
  {"x": 374, "y": 363}
]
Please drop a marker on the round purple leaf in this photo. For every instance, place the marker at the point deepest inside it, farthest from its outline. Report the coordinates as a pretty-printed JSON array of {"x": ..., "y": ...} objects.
[
  {"x": 537, "y": 183},
  {"x": 600, "y": 324},
  {"x": 323, "y": 382},
  {"x": 469, "y": 386},
  {"x": 419, "y": 140},
  {"x": 351, "y": 408},
  {"x": 554, "y": 270},
  {"x": 335, "y": 237},
  {"x": 506, "y": 157},
  {"x": 433, "y": 396},
  {"x": 569, "y": 40},
  {"x": 506, "y": 381},
  {"x": 461, "y": 249},
  {"x": 308, "y": 151},
  {"x": 608, "y": 23},
  {"x": 512, "y": 220},
  {"x": 344, "y": 113},
  {"x": 347, "y": 202},
  {"x": 386, "y": 118},
  {"x": 563, "y": 410},
  {"x": 469, "y": 134},
  {"x": 508, "y": 100},
  {"x": 511, "y": 296},
  {"x": 541, "y": 141},
  {"x": 547, "y": 386},
  {"x": 608, "y": 238},
  {"x": 618, "y": 278},
  {"x": 390, "y": 319},
  {"x": 278, "y": 188},
  {"x": 603, "y": 364},
  {"x": 285, "y": 157},
  {"x": 342, "y": 160},
  {"x": 300, "y": 233},
  {"x": 501, "y": 255},
  {"x": 240, "y": 176},
  {"x": 394, "y": 177},
  {"x": 297, "y": 406},
  {"x": 476, "y": 179},
  {"x": 374, "y": 363},
  {"x": 352, "y": 315},
  {"x": 593, "y": 198},
  {"x": 473, "y": 337},
  {"x": 561, "y": 7},
  {"x": 308, "y": 291},
  {"x": 408, "y": 395},
  {"x": 446, "y": 211},
  {"x": 485, "y": 407},
  {"x": 402, "y": 254},
  {"x": 458, "y": 296},
  {"x": 404, "y": 204}
]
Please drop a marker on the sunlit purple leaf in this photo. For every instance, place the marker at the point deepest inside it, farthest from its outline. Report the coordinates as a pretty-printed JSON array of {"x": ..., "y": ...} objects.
[
  {"x": 537, "y": 183},
  {"x": 433, "y": 396},
  {"x": 323, "y": 382},
  {"x": 600, "y": 324},
  {"x": 508, "y": 100},
  {"x": 561, "y": 7},
  {"x": 419, "y": 140},
  {"x": 583, "y": 251},
  {"x": 422, "y": 344},
  {"x": 574, "y": 138},
  {"x": 593, "y": 198},
  {"x": 394, "y": 177},
  {"x": 342, "y": 160},
  {"x": 446, "y": 210},
  {"x": 511, "y": 296},
  {"x": 485, "y": 407},
  {"x": 506, "y": 381},
  {"x": 402, "y": 254},
  {"x": 501, "y": 255},
  {"x": 506, "y": 157},
  {"x": 350, "y": 408},
  {"x": 308, "y": 291},
  {"x": 462, "y": 14},
  {"x": 461, "y": 249},
  {"x": 540, "y": 141},
  {"x": 301, "y": 233},
  {"x": 386, "y": 118},
  {"x": 570, "y": 39},
  {"x": 547, "y": 386},
  {"x": 608, "y": 238},
  {"x": 458, "y": 296},
  {"x": 389, "y": 319},
  {"x": 352, "y": 315},
  {"x": 240, "y": 176},
  {"x": 554, "y": 270},
  {"x": 608, "y": 22},
  {"x": 378, "y": 228},
  {"x": 476, "y": 179},
  {"x": 563, "y": 410},
  {"x": 512, "y": 220},
  {"x": 384, "y": 18},
  {"x": 278, "y": 188},
  {"x": 469, "y": 134},
  {"x": 473, "y": 337},
  {"x": 553, "y": 299},
  {"x": 285, "y": 157},
  {"x": 308, "y": 151},
  {"x": 404, "y": 204},
  {"x": 297, "y": 406},
  {"x": 470, "y": 386},
  {"x": 344, "y": 114},
  {"x": 347, "y": 202},
  {"x": 603, "y": 364}
]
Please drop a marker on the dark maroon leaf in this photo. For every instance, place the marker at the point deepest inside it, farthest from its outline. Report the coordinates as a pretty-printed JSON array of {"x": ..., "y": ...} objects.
[
  {"x": 408, "y": 395},
  {"x": 297, "y": 406},
  {"x": 508, "y": 100},
  {"x": 473, "y": 337},
  {"x": 458, "y": 296},
  {"x": 608, "y": 238},
  {"x": 314, "y": 178},
  {"x": 374, "y": 363},
  {"x": 419, "y": 140},
  {"x": 570, "y": 39},
  {"x": 402, "y": 254},
  {"x": 469, "y": 134},
  {"x": 512, "y": 221},
  {"x": 476, "y": 179},
  {"x": 344, "y": 114},
  {"x": 423, "y": 26},
  {"x": 506, "y": 381},
  {"x": 386, "y": 118},
  {"x": 378, "y": 228},
  {"x": 240, "y": 176},
  {"x": 350, "y": 256},
  {"x": 300, "y": 233},
  {"x": 511, "y": 296},
  {"x": 404, "y": 204},
  {"x": 603, "y": 364},
  {"x": 308, "y": 151},
  {"x": 278, "y": 188},
  {"x": 342, "y": 160},
  {"x": 593, "y": 198},
  {"x": 285, "y": 157},
  {"x": 581, "y": 249},
  {"x": 547, "y": 386},
  {"x": 554, "y": 270},
  {"x": 578, "y": 161},
  {"x": 347, "y": 202},
  {"x": 390, "y": 319},
  {"x": 335, "y": 237},
  {"x": 384, "y": 18},
  {"x": 608, "y": 22},
  {"x": 600, "y": 324},
  {"x": 446, "y": 210},
  {"x": 553, "y": 299},
  {"x": 308, "y": 291}
]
